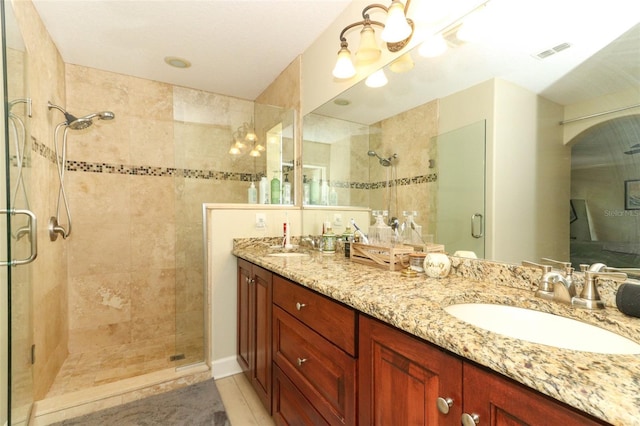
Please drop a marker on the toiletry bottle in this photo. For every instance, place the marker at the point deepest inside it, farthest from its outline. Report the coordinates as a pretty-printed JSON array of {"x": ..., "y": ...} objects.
[
  {"x": 329, "y": 240},
  {"x": 333, "y": 197},
  {"x": 306, "y": 191},
  {"x": 347, "y": 239},
  {"x": 314, "y": 191},
  {"x": 324, "y": 193},
  {"x": 286, "y": 190},
  {"x": 264, "y": 190},
  {"x": 252, "y": 193},
  {"x": 286, "y": 231},
  {"x": 275, "y": 188}
]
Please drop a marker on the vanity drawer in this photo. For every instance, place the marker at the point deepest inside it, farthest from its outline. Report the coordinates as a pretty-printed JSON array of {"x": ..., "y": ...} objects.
[
  {"x": 325, "y": 374},
  {"x": 290, "y": 407},
  {"x": 333, "y": 321}
]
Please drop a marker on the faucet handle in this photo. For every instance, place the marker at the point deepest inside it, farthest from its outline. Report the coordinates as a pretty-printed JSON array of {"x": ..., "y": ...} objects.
[
  {"x": 556, "y": 263},
  {"x": 544, "y": 268},
  {"x": 545, "y": 288},
  {"x": 590, "y": 298},
  {"x": 628, "y": 271}
]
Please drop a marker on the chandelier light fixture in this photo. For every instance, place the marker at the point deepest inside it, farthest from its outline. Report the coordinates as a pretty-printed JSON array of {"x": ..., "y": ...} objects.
[
  {"x": 396, "y": 33},
  {"x": 244, "y": 137}
]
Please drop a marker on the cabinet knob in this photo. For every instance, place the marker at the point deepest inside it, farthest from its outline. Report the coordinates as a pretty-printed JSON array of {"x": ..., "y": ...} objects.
[
  {"x": 444, "y": 404},
  {"x": 470, "y": 419},
  {"x": 301, "y": 361},
  {"x": 299, "y": 306}
]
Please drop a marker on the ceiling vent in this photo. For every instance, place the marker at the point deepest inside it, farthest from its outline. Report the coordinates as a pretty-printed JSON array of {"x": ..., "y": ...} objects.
[{"x": 550, "y": 52}]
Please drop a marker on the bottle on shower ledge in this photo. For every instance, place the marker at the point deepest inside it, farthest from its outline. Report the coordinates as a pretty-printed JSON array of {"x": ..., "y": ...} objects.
[
  {"x": 306, "y": 191},
  {"x": 286, "y": 190},
  {"x": 264, "y": 190},
  {"x": 275, "y": 188},
  {"x": 252, "y": 194}
]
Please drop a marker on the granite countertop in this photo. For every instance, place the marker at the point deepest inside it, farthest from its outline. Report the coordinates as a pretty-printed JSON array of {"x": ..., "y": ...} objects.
[{"x": 605, "y": 386}]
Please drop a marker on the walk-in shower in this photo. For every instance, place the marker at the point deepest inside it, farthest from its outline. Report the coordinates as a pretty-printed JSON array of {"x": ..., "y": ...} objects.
[{"x": 74, "y": 123}]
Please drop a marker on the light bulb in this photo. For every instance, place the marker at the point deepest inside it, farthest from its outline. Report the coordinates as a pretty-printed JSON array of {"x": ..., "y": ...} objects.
[
  {"x": 344, "y": 67},
  {"x": 396, "y": 28},
  {"x": 234, "y": 150},
  {"x": 377, "y": 79},
  {"x": 254, "y": 153}
]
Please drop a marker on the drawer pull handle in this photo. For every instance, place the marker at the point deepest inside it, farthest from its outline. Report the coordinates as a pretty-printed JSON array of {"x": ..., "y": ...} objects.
[
  {"x": 299, "y": 306},
  {"x": 444, "y": 404},
  {"x": 470, "y": 419},
  {"x": 301, "y": 361}
]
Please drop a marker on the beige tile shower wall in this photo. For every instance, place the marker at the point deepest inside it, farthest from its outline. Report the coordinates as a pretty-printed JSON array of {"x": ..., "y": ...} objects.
[
  {"x": 122, "y": 251},
  {"x": 45, "y": 81},
  {"x": 409, "y": 135}
]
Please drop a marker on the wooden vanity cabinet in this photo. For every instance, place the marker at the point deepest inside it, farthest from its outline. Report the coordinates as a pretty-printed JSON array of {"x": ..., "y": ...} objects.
[
  {"x": 499, "y": 401},
  {"x": 401, "y": 378},
  {"x": 254, "y": 328},
  {"x": 314, "y": 357}
]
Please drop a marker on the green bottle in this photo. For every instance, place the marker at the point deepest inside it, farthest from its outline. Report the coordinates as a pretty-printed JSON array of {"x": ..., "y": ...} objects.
[{"x": 275, "y": 188}]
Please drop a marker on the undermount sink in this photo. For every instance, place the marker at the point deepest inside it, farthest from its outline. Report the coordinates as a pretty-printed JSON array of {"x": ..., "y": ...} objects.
[
  {"x": 543, "y": 328},
  {"x": 289, "y": 254}
]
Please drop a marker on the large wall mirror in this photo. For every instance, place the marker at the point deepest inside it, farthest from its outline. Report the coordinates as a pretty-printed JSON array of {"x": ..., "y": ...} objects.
[{"x": 555, "y": 101}]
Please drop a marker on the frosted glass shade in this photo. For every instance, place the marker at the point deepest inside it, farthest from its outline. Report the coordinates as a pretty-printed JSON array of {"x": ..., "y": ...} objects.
[
  {"x": 344, "y": 67},
  {"x": 396, "y": 28},
  {"x": 403, "y": 64},
  {"x": 368, "y": 51},
  {"x": 377, "y": 79}
]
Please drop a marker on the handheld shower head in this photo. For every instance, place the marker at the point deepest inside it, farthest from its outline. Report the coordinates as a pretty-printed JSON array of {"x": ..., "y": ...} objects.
[
  {"x": 384, "y": 162},
  {"x": 76, "y": 123}
]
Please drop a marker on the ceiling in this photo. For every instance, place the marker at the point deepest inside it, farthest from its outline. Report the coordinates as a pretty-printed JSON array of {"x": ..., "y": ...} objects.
[
  {"x": 603, "y": 57},
  {"x": 236, "y": 47}
]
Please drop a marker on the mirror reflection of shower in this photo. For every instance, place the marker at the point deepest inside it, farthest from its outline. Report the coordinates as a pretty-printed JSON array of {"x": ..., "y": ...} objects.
[
  {"x": 74, "y": 123},
  {"x": 392, "y": 187}
]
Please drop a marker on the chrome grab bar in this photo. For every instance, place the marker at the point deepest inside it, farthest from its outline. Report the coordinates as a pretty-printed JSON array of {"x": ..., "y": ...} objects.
[{"x": 33, "y": 237}]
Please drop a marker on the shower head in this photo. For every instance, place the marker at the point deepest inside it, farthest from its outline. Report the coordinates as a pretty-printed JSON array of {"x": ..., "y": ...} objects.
[
  {"x": 384, "y": 162},
  {"x": 75, "y": 123}
]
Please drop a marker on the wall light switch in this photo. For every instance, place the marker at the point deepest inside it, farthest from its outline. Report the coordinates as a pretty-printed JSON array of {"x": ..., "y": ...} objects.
[
  {"x": 337, "y": 220},
  {"x": 261, "y": 220}
]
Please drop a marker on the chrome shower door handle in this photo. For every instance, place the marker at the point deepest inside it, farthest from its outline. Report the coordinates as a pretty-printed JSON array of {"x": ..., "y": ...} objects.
[
  {"x": 477, "y": 218},
  {"x": 33, "y": 238}
]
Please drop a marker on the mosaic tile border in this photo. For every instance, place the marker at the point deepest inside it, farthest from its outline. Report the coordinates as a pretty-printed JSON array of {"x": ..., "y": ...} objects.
[{"x": 123, "y": 169}]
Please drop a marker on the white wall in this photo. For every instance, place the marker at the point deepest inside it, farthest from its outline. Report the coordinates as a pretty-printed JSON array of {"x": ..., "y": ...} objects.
[
  {"x": 223, "y": 223},
  {"x": 525, "y": 211}
]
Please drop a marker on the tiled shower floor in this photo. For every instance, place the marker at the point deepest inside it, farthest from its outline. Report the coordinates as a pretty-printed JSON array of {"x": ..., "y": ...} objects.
[{"x": 86, "y": 370}]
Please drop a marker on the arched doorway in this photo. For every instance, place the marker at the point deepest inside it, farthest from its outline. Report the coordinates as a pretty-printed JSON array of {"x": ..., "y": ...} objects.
[{"x": 605, "y": 179}]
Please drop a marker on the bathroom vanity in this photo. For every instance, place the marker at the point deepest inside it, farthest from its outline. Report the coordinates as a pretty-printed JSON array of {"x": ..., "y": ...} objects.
[{"x": 351, "y": 344}]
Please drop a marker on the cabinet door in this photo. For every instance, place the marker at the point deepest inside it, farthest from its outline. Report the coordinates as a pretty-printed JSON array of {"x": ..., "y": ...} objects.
[
  {"x": 400, "y": 379},
  {"x": 500, "y": 402},
  {"x": 245, "y": 317},
  {"x": 262, "y": 325}
]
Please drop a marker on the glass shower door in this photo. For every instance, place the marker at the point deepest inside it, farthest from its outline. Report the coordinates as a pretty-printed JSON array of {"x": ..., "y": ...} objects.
[
  {"x": 461, "y": 189},
  {"x": 19, "y": 231}
]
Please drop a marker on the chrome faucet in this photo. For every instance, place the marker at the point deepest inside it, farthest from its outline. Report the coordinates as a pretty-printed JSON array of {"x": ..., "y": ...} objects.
[
  {"x": 589, "y": 297},
  {"x": 555, "y": 285}
]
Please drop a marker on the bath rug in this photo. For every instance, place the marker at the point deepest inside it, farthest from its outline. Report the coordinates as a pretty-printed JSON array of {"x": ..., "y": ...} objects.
[{"x": 194, "y": 405}]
